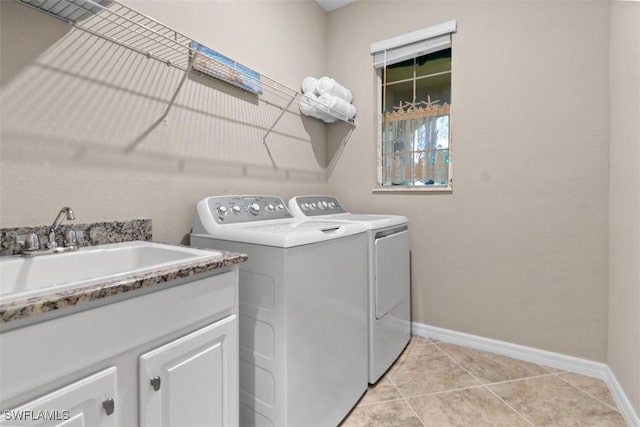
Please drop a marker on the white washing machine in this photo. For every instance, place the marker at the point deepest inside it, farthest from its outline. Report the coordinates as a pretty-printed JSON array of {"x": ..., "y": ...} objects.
[
  {"x": 303, "y": 309},
  {"x": 389, "y": 303}
]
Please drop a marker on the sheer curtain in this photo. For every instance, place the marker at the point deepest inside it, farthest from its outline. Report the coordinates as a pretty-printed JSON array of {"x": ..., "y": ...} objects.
[{"x": 415, "y": 146}]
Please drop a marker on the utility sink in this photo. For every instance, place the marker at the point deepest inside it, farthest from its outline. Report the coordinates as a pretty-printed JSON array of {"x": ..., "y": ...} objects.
[{"x": 27, "y": 277}]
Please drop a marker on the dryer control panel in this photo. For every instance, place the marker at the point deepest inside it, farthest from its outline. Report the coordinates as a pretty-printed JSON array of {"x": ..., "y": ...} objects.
[
  {"x": 318, "y": 205},
  {"x": 240, "y": 209}
]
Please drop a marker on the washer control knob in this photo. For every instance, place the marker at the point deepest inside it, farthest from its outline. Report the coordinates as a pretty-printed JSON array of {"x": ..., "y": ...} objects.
[
  {"x": 322, "y": 205},
  {"x": 304, "y": 206},
  {"x": 235, "y": 209},
  {"x": 254, "y": 208},
  {"x": 312, "y": 206},
  {"x": 270, "y": 208},
  {"x": 332, "y": 205},
  {"x": 222, "y": 210},
  {"x": 279, "y": 207}
]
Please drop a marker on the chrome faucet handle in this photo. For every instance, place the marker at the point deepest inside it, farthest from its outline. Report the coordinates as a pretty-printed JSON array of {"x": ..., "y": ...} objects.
[
  {"x": 70, "y": 238},
  {"x": 29, "y": 242}
]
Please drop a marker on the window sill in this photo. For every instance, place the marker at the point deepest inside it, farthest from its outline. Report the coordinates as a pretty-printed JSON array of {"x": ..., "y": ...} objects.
[{"x": 407, "y": 189}]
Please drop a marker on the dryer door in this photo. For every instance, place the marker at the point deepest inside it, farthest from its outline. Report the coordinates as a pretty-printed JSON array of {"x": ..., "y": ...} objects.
[{"x": 392, "y": 271}]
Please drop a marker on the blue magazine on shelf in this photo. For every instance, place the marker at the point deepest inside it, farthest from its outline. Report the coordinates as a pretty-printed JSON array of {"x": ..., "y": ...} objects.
[{"x": 216, "y": 65}]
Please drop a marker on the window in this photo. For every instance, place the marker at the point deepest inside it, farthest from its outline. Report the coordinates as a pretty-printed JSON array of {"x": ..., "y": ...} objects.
[{"x": 414, "y": 73}]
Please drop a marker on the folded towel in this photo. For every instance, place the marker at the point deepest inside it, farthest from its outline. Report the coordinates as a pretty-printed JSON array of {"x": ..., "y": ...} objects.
[
  {"x": 309, "y": 85},
  {"x": 310, "y": 106},
  {"x": 337, "y": 106},
  {"x": 330, "y": 86}
]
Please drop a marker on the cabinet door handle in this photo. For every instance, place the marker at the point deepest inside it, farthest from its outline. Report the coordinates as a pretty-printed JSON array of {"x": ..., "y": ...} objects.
[
  {"x": 155, "y": 383},
  {"x": 108, "y": 406}
]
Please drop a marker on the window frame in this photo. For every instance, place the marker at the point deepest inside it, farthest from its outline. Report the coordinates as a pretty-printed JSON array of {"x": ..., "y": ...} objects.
[{"x": 416, "y": 37}]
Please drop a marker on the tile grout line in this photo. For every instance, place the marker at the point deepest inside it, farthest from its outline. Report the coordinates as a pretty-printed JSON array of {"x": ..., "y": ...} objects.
[
  {"x": 402, "y": 398},
  {"x": 519, "y": 379},
  {"x": 424, "y": 344},
  {"x": 553, "y": 372},
  {"x": 413, "y": 408},
  {"x": 506, "y": 403},
  {"x": 587, "y": 393},
  {"x": 406, "y": 401},
  {"x": 421, "y": 344},
  {"x": 479, "y": 385},
  {"x": 379, "y": 401},
  {"x": 453, "y": 390},
  {"x": 486, "y": 388}
]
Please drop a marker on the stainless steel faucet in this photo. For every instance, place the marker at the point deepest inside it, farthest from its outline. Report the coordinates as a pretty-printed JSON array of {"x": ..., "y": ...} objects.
[
  {"x": 65, "y": 212},
  {"x": 30, "y": 243}
]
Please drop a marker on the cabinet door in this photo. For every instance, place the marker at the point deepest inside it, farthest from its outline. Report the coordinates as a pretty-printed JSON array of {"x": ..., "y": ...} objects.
[
  {"x": 192, "y": 381},
  {"x": 89, "y": 402}
]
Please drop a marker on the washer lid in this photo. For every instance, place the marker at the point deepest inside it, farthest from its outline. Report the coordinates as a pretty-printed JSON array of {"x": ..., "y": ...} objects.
[
  {"x": 284, "y": 233},
  {"x": 370, "y": 222},
  {"x": 329, "y": 208}
]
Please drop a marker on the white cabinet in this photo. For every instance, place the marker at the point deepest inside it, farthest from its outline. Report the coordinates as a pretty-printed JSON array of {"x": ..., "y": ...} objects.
[
  {"x": 191, "y": 381},
  {"x": 89, "y": 402},
  {"x": 186, "y": 334}
]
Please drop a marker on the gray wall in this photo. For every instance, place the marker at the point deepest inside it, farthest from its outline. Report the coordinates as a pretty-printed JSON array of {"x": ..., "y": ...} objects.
[
  {"x": 624, "y": 199},
  {"x": 518, "y": 252},
  {"x": 79, "y": 116}
]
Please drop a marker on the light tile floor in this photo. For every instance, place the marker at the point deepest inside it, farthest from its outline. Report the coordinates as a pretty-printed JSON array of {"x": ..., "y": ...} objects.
[{"x": 437, "y": 384}]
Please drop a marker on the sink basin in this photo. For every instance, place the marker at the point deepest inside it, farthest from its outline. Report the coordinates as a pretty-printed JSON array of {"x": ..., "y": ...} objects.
[{"x": 26, "y": 277}]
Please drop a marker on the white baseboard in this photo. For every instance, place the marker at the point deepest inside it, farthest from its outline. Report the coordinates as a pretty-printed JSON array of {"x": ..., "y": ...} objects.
[
  {"x": 535, "y": 355},
  {"x": 622, "y": 400}
]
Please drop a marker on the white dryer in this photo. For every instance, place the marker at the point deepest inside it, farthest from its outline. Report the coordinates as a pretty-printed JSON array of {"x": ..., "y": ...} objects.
[
  {"x": 389, "y": 303},
  {"x": 303, "y": 309}
]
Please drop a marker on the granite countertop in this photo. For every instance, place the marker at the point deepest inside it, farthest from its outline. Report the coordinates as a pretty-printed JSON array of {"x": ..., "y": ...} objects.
[{"x": 36, "y": 305}]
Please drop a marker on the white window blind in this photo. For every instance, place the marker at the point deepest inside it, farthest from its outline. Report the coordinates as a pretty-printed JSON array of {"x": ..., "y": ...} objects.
[{"x": 411, "y": 45}]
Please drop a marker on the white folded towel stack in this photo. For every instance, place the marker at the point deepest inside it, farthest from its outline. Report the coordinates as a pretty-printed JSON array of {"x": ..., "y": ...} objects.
[
  {"x": 329, "y": 85},
  {"x": 324, "y": 99},
  {"x": 310, "y": 85},
  {"x": 310, "y": 106},
  {"x": 337, "y": 105}
]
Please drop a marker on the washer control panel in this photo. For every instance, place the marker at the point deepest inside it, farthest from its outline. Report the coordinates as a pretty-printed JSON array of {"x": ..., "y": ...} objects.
[
  {"x": 236, "y": 209},
  {"x": 319, "y": 205}
]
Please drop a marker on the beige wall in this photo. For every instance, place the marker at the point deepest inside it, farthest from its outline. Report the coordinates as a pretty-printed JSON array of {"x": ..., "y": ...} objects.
[
  {"x": 79, "y": 116},
  {"x": 624, "y": 199},
  {"x": 518, "y": 251}
]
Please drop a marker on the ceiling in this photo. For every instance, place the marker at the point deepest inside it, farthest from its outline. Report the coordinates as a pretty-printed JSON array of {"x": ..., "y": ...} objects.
[{"x": 329, "y": 5}]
